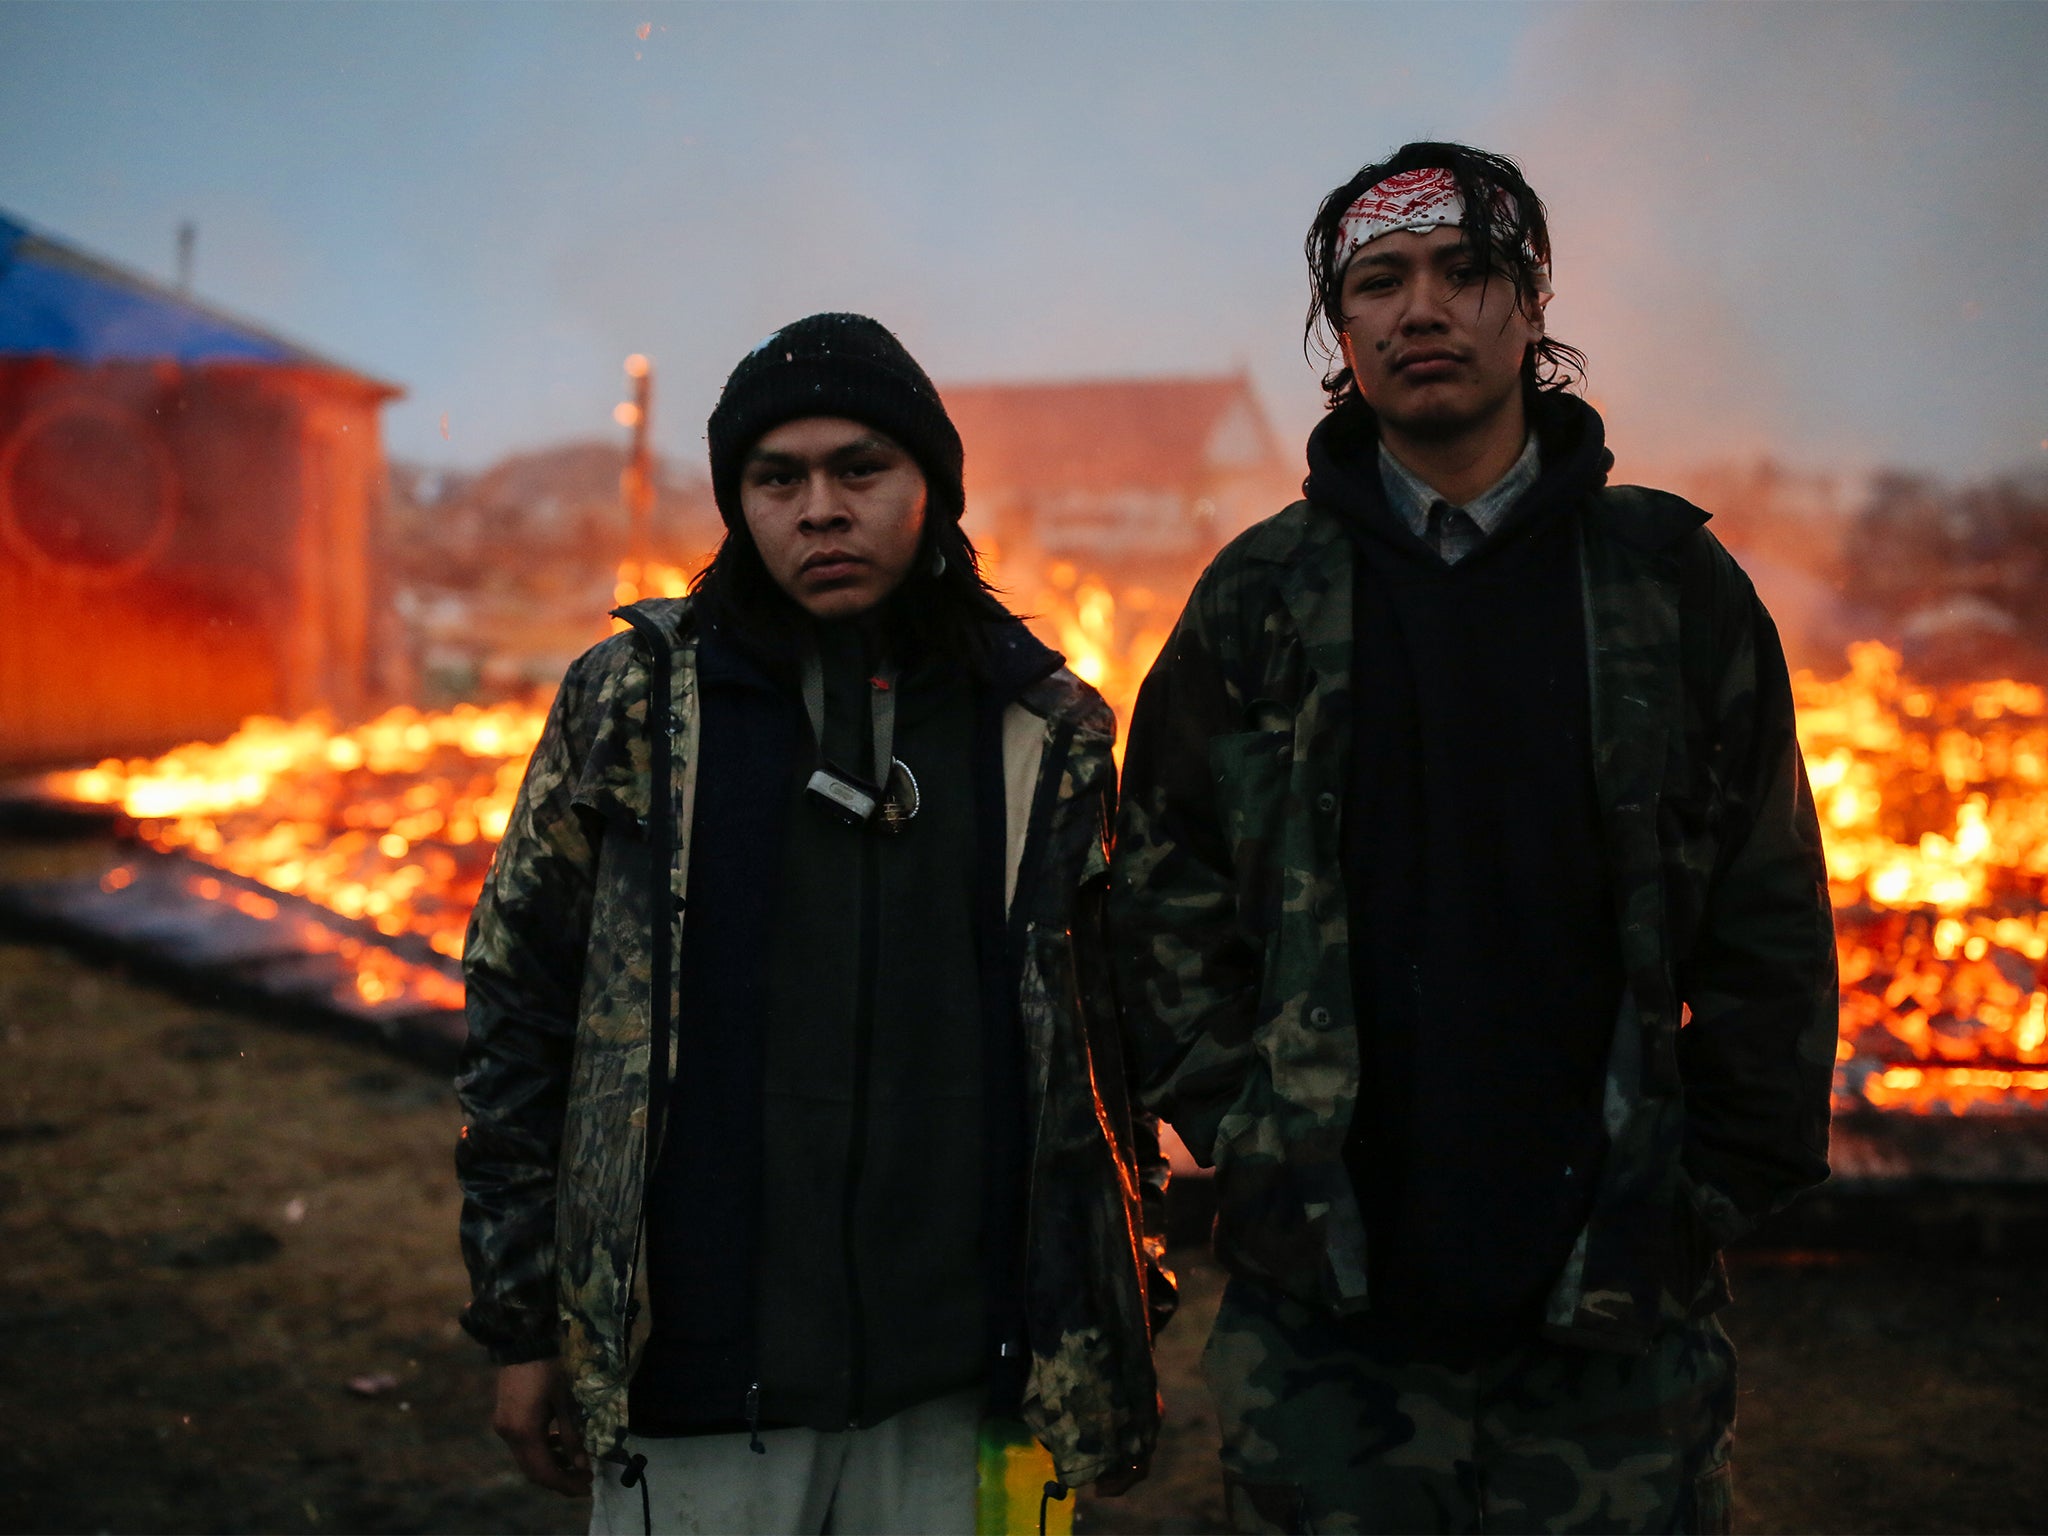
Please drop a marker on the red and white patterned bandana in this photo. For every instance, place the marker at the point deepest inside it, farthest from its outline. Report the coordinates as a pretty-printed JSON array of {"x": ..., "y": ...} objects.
[{"x": 1415, "y": 201}]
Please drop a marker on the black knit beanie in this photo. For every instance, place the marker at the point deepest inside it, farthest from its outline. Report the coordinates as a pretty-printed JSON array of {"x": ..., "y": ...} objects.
[{"x": 834, "y": 365}]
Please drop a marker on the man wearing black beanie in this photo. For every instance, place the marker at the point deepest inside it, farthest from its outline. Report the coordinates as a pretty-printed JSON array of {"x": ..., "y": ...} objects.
[{"x": 796, "y": 1109}]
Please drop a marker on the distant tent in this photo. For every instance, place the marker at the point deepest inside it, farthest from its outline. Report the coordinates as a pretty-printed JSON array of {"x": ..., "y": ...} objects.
[{"x": 187, "y": 507}]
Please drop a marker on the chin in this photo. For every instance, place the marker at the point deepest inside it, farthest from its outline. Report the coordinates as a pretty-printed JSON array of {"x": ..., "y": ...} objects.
[
  {"x": 1431, "y": 422},
  {"x": 831, "y": 607},
  {"x": 1437, "y": 418}
]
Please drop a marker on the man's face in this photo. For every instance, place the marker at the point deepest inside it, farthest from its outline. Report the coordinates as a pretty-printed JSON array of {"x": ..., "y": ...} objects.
[
  {"x": 836, "y": 510},
  {"x": 1434, "y": 347}
]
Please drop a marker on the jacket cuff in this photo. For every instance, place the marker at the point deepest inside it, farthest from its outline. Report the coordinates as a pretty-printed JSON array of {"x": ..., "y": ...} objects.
[
  {"x": 525, "y": 1353},
  {"x": 517, "y": 1349}
]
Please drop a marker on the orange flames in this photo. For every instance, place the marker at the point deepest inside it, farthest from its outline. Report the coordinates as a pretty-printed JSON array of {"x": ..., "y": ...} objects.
[
  {"x": 1109, "y": 635},
  {"x": 391, "y": 822},
  {"x": 1934, "y": 808},
  {"x": 1933, "y": 803},
  {"x": 652, "y": 578}
]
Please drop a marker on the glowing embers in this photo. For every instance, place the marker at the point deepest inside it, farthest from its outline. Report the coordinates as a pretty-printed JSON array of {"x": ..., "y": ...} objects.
[
  {"x": 1934, "y": 809},
  {"x": 171, "y": 914},
  {"x": 391, "y": 822}
]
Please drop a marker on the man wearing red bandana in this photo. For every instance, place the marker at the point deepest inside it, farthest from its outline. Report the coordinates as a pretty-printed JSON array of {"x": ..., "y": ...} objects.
[{"x": 1472, "y": 920}]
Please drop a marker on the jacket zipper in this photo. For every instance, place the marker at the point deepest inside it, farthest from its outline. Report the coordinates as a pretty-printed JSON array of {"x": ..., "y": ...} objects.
[{"x": 856, "y": 1154}]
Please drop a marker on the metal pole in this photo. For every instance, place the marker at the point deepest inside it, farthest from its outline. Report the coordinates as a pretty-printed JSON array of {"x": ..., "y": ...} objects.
[{"x": 636, "y": 482}]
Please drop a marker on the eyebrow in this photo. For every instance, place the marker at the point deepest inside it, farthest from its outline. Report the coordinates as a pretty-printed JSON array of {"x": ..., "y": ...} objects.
[
  {"x": 872, "y": 442},
  {"x": 1405, "y": 259}
]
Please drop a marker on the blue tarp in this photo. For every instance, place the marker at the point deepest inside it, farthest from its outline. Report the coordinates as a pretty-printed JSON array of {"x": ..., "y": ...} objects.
[{"x": 58, "y": 302}]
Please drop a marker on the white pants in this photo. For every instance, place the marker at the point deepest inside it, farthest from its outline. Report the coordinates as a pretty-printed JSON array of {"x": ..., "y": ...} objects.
[{"x": 912, "y": 1474}]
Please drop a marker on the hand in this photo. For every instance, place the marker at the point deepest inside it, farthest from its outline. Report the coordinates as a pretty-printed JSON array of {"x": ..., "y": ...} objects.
[
  {"x": 1118, "y": 1481},
  {"x": 536, "y": 1417}
]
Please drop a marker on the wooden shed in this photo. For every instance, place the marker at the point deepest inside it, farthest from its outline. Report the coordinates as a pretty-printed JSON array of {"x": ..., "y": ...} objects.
[{"x": 187, "y": 514}]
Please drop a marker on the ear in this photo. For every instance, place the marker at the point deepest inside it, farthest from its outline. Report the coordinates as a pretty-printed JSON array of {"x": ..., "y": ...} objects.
[{"x": 1344, "y": 346}]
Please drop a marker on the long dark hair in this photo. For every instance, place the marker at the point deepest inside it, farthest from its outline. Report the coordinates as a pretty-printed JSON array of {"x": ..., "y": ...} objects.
[
  {"x": 935, "y": 613},
  {"x": 1505, "y": 225}
]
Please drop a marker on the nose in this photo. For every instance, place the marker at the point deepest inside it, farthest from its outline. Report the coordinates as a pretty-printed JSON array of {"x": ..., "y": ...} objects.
[
  {"x": 1427, "y": 308},
  {"x": 824, "y": 509}
]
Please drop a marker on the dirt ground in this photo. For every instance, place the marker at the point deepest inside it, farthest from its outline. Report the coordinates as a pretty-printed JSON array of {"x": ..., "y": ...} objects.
[{"x": 210, "y": 1225}]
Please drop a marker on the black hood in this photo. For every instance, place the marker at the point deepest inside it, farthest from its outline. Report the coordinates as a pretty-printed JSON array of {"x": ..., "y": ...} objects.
[
  {"x": 1344, "y": 472},
  {"x": 1017, "y": 658}
]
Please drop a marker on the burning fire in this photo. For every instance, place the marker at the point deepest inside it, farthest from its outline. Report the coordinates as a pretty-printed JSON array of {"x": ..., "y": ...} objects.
[
  {"x": 653, "y": 578},
  {"x": 391, "y": 822},
  {"x": 1933, "y": 804},
  {"x": 1934, "y": 808},
  {"x": 1110, "y": 642}
]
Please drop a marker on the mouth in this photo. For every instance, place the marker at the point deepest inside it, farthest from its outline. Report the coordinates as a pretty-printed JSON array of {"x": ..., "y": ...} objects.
[
  {"x": 1428, "y": 363},
  {"x": 831, "y": 565}
]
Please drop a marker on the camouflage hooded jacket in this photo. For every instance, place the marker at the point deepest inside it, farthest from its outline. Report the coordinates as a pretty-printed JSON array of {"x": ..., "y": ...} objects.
[
  {"x": 1229, "y": 919},
  {"x": 555, "y": 1081}
]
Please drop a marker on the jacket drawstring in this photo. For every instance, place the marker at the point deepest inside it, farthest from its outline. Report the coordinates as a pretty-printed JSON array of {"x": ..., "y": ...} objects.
[
  {"x": 635, "y": 1475},
  {"x": 754, "y": 1420},
  {"x": 1052, "y": 1490}
]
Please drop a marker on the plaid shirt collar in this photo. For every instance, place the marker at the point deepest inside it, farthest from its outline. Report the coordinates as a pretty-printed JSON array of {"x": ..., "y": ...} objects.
[{"x": 1411, "y": 498}]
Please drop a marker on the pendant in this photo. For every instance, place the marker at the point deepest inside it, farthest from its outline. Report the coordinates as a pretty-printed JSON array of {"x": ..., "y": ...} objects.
[{"x": 900, "y": 799}]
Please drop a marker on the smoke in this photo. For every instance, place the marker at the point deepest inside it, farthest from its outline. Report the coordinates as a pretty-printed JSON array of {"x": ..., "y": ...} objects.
[{"x": 1813, "y": 232}]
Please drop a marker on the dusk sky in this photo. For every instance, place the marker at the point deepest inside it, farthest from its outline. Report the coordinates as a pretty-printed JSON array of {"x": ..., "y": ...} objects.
[{"x": 1818, "y": 231}]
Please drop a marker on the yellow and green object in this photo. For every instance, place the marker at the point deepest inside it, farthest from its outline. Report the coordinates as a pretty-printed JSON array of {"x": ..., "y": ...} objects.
[{"x": 1012, "y": 1486}]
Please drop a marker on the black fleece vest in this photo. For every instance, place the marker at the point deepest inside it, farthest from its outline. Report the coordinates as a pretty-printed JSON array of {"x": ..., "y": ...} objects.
[{"x": 1486, "y": 952}]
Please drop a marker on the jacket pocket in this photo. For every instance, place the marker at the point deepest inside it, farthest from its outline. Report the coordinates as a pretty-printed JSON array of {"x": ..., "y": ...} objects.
[{"x": 1250, "y": 771}]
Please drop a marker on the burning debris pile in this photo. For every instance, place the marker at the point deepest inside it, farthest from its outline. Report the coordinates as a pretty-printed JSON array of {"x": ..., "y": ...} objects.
[
  {"x": 389, "y": 825},
  {"x": 1934, "y": 803},
  {"x": 1934, "y": 808}
]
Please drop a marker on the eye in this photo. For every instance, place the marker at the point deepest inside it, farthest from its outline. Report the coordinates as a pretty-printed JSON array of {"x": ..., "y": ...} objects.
[{"x": 861, "y": 469}]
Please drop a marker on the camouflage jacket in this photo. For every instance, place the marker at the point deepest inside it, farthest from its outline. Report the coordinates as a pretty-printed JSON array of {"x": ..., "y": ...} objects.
[
  {"x": 1229, "y": 920},
  {"x": 555, "y": 1078}
]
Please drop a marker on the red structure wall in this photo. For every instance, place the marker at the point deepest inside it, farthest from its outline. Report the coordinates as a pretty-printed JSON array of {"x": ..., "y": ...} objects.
[{"x": 179, "y": 548}]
